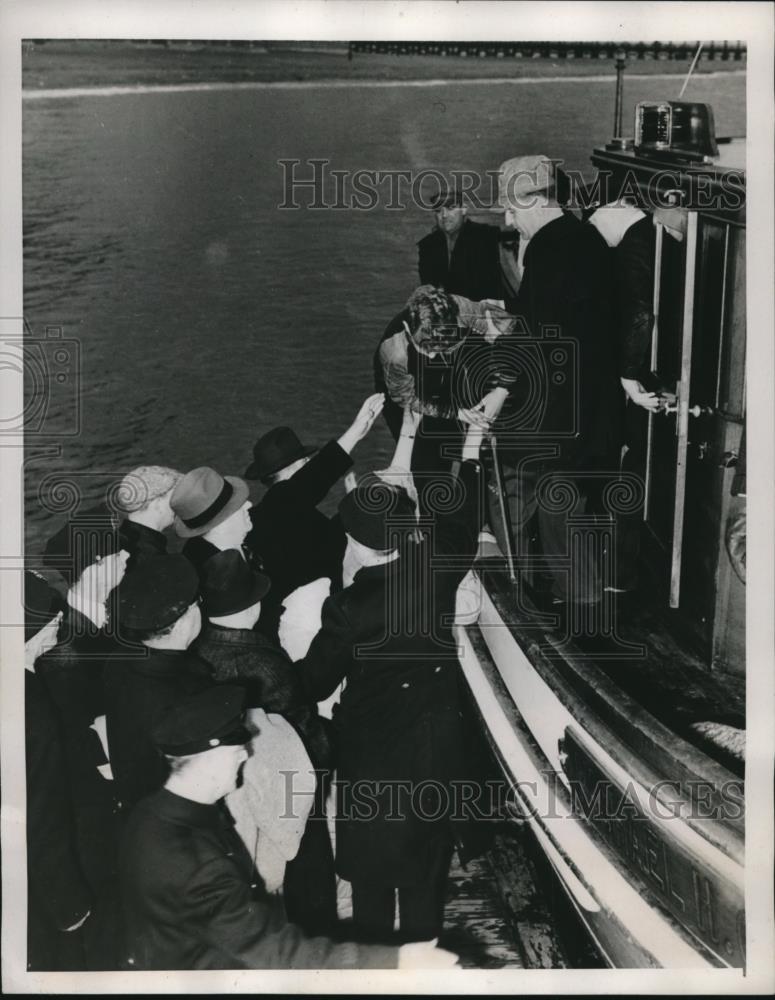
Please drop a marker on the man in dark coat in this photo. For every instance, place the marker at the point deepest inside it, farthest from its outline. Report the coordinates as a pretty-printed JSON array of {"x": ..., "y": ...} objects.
[
  {"x": 143, "y": 495},
  {"x": 72, "y": 674},
  {"x": 295, "y": 542},
  {"x": 237, "y": 653},
  {"x": 191, "y": 895},
  {"x": 159, "y": 613},
  {"x": 389, "y": 636},
  {"x": 561, "y": 429},
  {"x": 59, "y": 898},
  {"x": 630, "y": 235},
  {"x": 460, "y": 256}
]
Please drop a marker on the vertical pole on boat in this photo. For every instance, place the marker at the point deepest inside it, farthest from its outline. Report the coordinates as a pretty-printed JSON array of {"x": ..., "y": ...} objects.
[
  {"x": 503, "y": 509},
  {"x": 620, "y": 61}
]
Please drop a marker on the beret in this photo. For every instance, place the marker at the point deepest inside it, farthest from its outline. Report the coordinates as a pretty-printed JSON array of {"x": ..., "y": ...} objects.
[
  {"x": 375, "y": 511},
  {"x": 157, "y": 592},
  {"x": 211, "y": 718}
]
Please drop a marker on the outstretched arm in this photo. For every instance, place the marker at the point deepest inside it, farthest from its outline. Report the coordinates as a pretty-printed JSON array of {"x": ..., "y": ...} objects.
[
  {"x": 398, "y": 473},
  {"x": 363, "y": 422},
  {"x": 402, "y": 456},
  {"x": 312, "y": 482}
]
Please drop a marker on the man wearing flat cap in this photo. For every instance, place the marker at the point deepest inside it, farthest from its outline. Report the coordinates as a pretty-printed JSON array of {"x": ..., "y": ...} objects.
[
  {"x": 295, "y": 542},
  {"x": 397, "y": 724},
  {"x": 565, "y": 305},
  {"x": 192, "y": 898},
  {"x": 144, "y": 495},
  {"x": 158, "y": 611},
  {"x": 460, "y": 256}
]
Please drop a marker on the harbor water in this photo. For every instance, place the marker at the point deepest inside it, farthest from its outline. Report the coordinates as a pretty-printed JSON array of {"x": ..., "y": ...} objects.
[{"x": 195, "y": 312}]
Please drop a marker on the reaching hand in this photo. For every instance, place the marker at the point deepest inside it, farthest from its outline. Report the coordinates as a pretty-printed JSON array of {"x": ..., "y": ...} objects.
[
  {"x": 486, "y": 410},
  {"x": 492, "y": 333},
  {"x": 412, "y": 418},
  {"x": 639, "y": 396},
  {"x": 426, "y": 955},
  {"x": 363, "y": 423},
  {"x": 368, "y": 413}
]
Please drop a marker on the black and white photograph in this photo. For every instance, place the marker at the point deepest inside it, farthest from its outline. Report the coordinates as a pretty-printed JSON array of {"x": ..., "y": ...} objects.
[{"x": 380, "y": 385}]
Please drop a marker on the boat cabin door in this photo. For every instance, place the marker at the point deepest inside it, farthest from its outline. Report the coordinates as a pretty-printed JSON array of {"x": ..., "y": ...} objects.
[{"x": 693, "y": 444}]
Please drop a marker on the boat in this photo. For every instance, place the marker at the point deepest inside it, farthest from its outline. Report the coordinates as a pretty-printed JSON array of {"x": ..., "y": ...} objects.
[{"x": 615, "y": 756}]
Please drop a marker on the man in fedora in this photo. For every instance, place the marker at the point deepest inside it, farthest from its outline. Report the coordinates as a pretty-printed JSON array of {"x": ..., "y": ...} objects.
[
  {"x": 460, "y": 256},
  {"x": 398, "y": 727},
  {"x": 237, "y": 653},
  {"x": 158, "y": 609},
  {"x": 564, "y": 304},
  {"x": 211, "y": 513},
  {"x": 295, "y": 542},
  {"x": 192, "y": 899}
]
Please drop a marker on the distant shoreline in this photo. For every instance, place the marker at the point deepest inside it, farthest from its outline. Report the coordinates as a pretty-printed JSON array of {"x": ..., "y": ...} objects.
[{"x": 59, "y": 64}]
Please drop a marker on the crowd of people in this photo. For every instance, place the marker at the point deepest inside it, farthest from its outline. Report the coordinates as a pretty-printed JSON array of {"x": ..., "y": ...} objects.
[{"x": 193, "y": 715}]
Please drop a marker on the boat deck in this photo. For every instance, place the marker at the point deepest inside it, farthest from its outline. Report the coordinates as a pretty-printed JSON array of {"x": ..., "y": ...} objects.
[
  {"x": 496, "y": 917},
  {"x": 668, "y": 680}
]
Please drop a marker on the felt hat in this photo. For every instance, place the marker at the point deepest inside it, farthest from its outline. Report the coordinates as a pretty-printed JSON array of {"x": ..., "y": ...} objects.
[
  {"x": 229, "y": 585},
  {"x": 274, "y": 450},
  {"x": 204, "y": 498}
]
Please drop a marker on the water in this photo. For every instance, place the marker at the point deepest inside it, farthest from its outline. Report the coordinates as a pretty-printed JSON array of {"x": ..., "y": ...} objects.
[{"x": 204, "y": 314}]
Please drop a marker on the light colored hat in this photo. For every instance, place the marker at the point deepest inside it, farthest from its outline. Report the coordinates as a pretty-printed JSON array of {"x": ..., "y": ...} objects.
[
  {"x": 204, "y": 498},
  {"x": 142, "y": 485},
  {"x": 520, "y": 178}
]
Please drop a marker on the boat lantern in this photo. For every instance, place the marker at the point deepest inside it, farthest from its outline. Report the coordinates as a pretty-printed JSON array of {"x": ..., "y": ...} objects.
[{"x": 680, "y": 127}]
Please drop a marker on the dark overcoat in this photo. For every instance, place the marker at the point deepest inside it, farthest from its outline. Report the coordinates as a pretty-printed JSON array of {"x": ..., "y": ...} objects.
[
  {"x": 473, "y": 269},
  {"x": 566, "y": 308},
  {"x": 192, "y": 899},
  {"x": 246, "y": 657},
  {"x": 137, "y": 692},
  {"x": 389, "y": 636},
  {"x": 296, "y": 542},
  {"x": 59, "y": 895}
]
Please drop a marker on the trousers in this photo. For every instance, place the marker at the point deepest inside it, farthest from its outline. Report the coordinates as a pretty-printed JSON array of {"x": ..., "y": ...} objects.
[
  {"x": 420, "y": 906},
  {"x": 309, "y": 886},
  {"x": 542, "y": 498}
]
